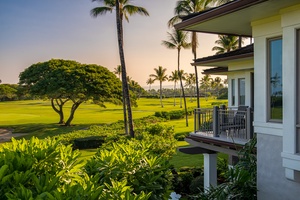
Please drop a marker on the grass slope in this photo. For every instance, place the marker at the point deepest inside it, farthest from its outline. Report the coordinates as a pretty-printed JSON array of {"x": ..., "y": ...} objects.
[{"x": 37, "y": 118}]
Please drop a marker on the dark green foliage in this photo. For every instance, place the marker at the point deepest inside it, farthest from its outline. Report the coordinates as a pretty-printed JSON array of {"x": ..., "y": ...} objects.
[
  {"x": 184, "y": 178},
  {"x": 181, "y": 136},
  {"x": 197, "y": 185},
  {"x": 92, "y": 142},
  {"x": 240, "y": 181},
  {"x": 174, "y": 114}
]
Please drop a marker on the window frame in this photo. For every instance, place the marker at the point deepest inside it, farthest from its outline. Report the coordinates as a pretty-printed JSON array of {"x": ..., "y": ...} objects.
[
  {"x": 233, "y": 92},
  {"x": 269, "y": 119},
  {"x": 239, "y": 91}
]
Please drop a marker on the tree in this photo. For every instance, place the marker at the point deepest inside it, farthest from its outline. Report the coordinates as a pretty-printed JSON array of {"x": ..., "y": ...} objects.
[
  {"x": 123, "y": 10},
  {"x": 190, "y": 83},
  {"x": 174, "y": 77},
  {"x": 184, "y": 8},
  {"x": 226, "y": 43},
  {"x": 160, "y": 75},
  {"x": 182, "y": 75},
  {"x": 7, "y": 92},
  {"x": 149, "y": 82},
  {"x": 178, "y": 40},
  {"x": 65, "y": 80},
  {"x": 118, "y": 71},
  {"x": 205, "y": 83}
]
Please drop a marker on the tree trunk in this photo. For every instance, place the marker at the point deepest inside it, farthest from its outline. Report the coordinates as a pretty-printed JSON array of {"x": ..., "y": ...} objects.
[
  {"x": 160, "y": 86},
  {"x": 72, "y": 112},
  {"x": 181, "y": 84},
  {"x": 124, "y": 110},
  {"x": 59, "y": 110},
  {"x": 174, "y": 93},
  {"x": 122, "y": 59},
  {"x": 194, "y": 49}
]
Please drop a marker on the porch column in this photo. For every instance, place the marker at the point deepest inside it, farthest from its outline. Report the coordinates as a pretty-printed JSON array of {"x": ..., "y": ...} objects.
[{"x": 210, "y": 170}]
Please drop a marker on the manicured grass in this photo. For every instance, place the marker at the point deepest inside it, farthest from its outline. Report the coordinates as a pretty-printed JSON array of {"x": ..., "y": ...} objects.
[{"x": 37, "y": 118}]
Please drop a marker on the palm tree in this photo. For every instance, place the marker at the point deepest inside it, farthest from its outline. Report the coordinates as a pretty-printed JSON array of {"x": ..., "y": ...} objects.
[
  {"x": 187, "y": 7},
  {"x": 183, "y": 76},
  {"x": 178, "y": 40},
  {"x": 218, "y": 85},
  {"x": 174, "y": 77},
  {"x": 205, "y": 83},
  {"x": 118, "y": 71},
  {"x": 160, "y": 75},
  {"x": 190, "y": 83},
  {"x": 123, "y": 10},
  {"x": 226, "y": 43},
  {"x": 149, "y": 82}
]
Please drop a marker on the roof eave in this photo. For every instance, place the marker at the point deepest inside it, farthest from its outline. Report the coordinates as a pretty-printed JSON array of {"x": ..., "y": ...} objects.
[
  {"x": 235, "y": 57},
  {"x": 215, "y": 13}
]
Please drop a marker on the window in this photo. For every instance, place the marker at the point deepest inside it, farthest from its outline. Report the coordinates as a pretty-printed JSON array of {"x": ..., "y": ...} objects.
[
  {"x": 275, "y": 79},
  {"x": 232, "y": 92},
  {"x": 241, "y": 91}
]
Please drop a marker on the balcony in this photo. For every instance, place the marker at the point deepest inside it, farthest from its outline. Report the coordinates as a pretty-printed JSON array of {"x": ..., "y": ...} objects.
[{"x": 224, "y": 125}]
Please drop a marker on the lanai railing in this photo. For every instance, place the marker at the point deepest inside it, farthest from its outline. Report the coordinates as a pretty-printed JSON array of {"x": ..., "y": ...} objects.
[{"x": 221, "y": 121}]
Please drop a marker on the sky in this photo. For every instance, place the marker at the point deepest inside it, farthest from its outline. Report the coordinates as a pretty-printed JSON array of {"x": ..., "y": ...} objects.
[{"x": 34, "y": 31}]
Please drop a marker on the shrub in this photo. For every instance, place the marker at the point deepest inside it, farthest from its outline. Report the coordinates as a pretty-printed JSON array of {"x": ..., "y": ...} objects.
[
  {"x": 135, "y": 162},
  {"x": 240, "y": 180},
  {"x": 181, "y": 136}
]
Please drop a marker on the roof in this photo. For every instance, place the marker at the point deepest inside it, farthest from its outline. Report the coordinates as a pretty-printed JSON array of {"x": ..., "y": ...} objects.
[
  {"x": 241, "y": 53},
  {"x": 216, "y": 71},
  {"x": 233, "y": 18}
]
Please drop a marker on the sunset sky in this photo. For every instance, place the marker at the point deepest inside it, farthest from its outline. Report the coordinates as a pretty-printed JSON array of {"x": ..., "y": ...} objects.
[{"x": 34, "y": 31}]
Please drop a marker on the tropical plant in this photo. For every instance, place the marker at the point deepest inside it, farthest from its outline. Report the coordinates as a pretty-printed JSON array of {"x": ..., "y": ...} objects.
[
  {"x": 65, "y": 80},
  {"x": 226, "y": 43},
  {"x": 149, "y": 82},
  {"x": 190, "y": 83},
  {"x": 184, "y": 8},
  {"x": 178, "y": 40},
  {"x": 161, "y": 76},
  {"x": 123, "y": 10},
  {"x": 135, "y": 162},
  {"x": 217, "y": 85},
  {"x": 118, "y": 71},
  {"x": 206, "y": 83},
  {"x": 240, "y": 180},
  {"x": 182, "y": 75},
  {"x": 174, "y": 77}
]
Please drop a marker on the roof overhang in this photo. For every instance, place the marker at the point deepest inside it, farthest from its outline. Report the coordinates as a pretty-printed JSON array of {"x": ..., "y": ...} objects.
[{"x": 233, "y": 18}]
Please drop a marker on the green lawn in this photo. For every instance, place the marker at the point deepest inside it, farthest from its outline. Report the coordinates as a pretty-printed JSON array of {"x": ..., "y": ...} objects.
[{"x": 36, "y": 118}]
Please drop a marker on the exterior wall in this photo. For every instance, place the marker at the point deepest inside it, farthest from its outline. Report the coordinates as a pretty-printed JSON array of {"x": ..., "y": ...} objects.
[
  {"x": 278, "y": 163},
  {"x": 239, "y": 70},
  {"x": 271, "y": 180}
]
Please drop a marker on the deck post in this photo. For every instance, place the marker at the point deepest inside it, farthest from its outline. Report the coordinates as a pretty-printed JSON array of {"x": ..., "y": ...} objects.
[
  {"x": 210, "y": 170},
  {"x": 215, "y": 122},
  {"x": 249, "y": 126}
]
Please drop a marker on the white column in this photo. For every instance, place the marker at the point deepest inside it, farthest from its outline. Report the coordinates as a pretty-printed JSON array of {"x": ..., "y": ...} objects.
[{"x": 210, "y": 170}]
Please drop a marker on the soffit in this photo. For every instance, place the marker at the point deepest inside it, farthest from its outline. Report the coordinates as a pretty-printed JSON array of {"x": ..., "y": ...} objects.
[{"x": 234, "y": 18}]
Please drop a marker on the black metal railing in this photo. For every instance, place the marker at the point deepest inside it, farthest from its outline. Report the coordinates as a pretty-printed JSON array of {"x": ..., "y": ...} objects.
[{"x": 221, "y": 121}]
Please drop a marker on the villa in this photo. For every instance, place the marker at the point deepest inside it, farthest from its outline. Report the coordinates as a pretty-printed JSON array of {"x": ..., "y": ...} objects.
[{"x": 263, "y": 94}]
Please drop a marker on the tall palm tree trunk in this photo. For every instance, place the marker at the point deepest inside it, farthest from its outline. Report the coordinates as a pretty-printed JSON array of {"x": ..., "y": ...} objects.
[
  {"x": 174, "y": 93},
  {"x": 160, "y": 87},
  {"x": 122, "y": 59},
  {"x": 124, "y": 111},
  {"x": 181, "y": 84},
  {"x": 194, "y": 38}
]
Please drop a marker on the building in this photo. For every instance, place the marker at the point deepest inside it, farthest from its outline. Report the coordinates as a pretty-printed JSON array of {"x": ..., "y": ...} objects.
[{"x": 268, "y": 81}]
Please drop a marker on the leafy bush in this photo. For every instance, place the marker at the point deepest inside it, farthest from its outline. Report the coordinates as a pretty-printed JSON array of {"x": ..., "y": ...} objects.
[
  {"x": 135, "y": 162},
  {"x": 181, "y": 136},
  {"x": 46, "y": 169}
]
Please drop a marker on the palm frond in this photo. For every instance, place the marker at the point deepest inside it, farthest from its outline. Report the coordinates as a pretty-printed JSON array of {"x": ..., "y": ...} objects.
[
  {"x": 100, "y": 11},
  {"x": 131, "y": 9}
]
